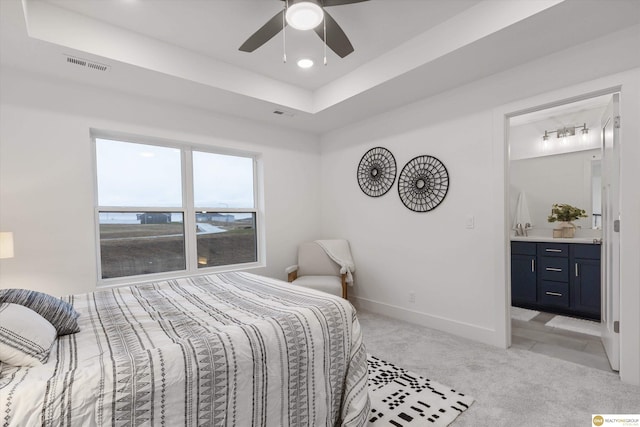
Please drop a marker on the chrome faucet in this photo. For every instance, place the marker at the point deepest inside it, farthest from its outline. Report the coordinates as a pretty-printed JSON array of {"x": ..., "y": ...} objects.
[{"x": 522, "y": 230}]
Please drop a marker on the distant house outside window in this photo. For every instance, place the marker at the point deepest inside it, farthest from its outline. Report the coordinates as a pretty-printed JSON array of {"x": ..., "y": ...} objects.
[{"x": 167, "y": 210}]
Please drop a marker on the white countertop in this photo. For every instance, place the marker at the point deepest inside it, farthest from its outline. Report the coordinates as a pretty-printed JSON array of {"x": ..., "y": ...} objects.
[
  {"x": 554, "y": 240},
  {"x": 583, "y": 235}
]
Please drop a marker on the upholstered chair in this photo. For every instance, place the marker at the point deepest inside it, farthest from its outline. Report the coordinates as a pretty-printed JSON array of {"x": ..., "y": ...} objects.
[{"x": 316, "y": 270}]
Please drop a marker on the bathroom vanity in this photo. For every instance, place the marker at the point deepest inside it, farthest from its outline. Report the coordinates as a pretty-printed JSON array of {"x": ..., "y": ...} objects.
[{"x": 556, "y": 275}]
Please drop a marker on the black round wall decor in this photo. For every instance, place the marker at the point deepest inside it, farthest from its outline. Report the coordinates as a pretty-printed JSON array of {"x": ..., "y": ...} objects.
[
  {"x": 423, "y": 183},
  {"x": 377, "y": 172}
]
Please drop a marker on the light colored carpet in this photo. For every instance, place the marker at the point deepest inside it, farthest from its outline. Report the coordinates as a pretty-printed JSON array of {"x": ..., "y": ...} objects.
[
  {"x": 512, "y": 387},
  {"x": 523, "y": 314},
  {"x": 401, "y": 398},
  {"x": 583, "y": 326}
]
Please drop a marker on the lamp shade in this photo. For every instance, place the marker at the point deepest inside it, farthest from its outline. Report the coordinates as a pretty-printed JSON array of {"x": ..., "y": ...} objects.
[{"x": 6, "y": 244}]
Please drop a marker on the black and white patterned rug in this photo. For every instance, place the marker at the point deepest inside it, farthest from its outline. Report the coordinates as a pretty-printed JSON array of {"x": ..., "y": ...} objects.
[{"x": 401, "y": 398}]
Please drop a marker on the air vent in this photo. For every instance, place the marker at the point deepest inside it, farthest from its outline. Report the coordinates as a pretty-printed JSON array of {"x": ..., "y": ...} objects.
[
  {"x": 284, "y": 113},
  {"x": 86, "y": 63}
]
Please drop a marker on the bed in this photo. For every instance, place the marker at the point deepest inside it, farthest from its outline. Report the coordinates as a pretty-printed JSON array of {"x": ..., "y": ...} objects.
[{"x": 232, "y": 349}]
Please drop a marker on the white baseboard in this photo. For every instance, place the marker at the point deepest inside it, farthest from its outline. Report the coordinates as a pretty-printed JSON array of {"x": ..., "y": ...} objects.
[{"x": 465, "y": 330}]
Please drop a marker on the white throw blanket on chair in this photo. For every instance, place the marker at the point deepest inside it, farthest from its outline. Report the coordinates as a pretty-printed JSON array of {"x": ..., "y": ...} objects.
[{"x": 339, "y": 251}]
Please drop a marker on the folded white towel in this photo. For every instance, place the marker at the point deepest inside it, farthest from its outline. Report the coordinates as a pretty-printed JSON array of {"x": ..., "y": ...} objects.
[{"x": 339, "y": 251}]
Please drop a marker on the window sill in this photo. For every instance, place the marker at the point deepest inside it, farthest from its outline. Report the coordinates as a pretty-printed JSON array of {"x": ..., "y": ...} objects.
[{"x": 136, "y": 280}]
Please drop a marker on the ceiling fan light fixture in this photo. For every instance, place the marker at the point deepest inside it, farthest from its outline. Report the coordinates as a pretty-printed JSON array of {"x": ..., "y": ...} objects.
[{"x": 304, "y": 15}]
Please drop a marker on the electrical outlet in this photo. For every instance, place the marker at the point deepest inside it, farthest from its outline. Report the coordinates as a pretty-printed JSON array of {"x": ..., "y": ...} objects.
[{"x": 412, "y": 297}]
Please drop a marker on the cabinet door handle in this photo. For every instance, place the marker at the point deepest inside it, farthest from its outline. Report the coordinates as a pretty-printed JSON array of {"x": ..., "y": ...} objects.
[
  {"x": 533, "y": 265},
  {"x": 554, "y": 294},
  {"x": 553, "y": 250},
  {"x": 553, "y": 269},
  {"x": 576, "y": 269}
]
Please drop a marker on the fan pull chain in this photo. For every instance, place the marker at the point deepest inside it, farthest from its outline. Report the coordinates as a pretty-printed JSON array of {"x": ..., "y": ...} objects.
[
  {"x": 284, "y": 32},
  {"x": 324, "y": 23}
]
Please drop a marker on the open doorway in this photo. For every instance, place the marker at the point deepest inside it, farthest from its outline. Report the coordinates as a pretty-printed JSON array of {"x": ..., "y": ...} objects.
[{"x": 562, "y": 203}]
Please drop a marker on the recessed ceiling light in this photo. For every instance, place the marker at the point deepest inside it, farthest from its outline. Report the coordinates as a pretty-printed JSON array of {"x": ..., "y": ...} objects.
[{"x": 305, "y": 63}]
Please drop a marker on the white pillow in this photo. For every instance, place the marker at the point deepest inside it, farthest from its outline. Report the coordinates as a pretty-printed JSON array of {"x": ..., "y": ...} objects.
[{"x": 25, "y": 336}]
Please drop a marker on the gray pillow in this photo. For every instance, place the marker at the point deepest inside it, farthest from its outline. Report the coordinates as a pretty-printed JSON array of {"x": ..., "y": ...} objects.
[{"x": 59, "y": 313}]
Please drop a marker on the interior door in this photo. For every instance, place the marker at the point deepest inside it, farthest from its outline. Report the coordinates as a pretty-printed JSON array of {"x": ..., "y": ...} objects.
[{"x": 610, "y": 232}]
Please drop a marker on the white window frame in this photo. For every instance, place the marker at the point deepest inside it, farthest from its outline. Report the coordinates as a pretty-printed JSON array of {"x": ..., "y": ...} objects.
[{"x": 187, "y": 209}]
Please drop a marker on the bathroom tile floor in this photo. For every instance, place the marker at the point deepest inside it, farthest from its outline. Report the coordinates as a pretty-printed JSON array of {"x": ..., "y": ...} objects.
[{"x": 575, "y": 347}]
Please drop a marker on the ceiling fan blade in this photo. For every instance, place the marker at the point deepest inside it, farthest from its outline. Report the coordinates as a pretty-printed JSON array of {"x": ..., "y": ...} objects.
[
  {"x": 336, "y": 38},
  {"x": 264, "y": 34},
  {"x": 326, "y": 3}
]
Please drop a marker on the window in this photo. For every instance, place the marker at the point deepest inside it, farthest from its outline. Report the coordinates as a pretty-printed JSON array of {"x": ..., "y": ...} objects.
[{"x": 164, "y": 209}]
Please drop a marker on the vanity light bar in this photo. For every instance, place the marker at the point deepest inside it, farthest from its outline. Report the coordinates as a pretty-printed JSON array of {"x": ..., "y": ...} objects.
[{"x": 566, "y": 131}]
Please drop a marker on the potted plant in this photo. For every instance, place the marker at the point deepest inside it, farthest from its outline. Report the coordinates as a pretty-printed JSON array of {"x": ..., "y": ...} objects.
[{"x": 564, "y": 214}]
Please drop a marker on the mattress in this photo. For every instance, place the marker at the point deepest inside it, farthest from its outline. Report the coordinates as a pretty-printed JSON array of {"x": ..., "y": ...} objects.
[{"x": 233, "y": 349}]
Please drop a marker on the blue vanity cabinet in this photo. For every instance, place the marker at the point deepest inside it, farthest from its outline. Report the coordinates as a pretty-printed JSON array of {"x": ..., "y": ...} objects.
[
  {"x": 523, "y": 273},
  {"x": 585, "y": 280},
  {"x": 561, "y": 278}
]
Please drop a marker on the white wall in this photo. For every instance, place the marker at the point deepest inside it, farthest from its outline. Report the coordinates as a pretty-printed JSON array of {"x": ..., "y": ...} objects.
[
  {"x": 563, "y": 178},
  {"x": 459, "y": 275},
  {"x": 46, "y": 175},
  {"x": 397, "y": 251}
]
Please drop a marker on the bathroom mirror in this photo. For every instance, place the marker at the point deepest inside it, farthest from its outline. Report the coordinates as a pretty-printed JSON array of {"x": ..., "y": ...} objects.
[{"x": 572, "y": 178}]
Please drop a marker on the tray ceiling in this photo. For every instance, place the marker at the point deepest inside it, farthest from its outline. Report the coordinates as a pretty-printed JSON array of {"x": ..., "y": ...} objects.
[{"x": 186, "y": 51}]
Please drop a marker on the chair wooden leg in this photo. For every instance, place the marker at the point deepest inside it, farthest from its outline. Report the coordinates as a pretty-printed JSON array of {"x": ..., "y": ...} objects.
[{"x": 344, "y": 286}]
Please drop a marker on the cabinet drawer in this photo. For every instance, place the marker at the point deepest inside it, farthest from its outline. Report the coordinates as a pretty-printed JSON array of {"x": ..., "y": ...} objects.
[
  {"x": 554, "y": 269},
  {"x": 523, "y": 248},
  {"x": 553, "y": 249},
  {"x": 585, "y": 251},
  {"x": 554, "y": 293}
]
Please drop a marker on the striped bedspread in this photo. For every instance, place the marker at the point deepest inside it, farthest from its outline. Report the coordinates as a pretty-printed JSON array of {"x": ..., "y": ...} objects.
[{"x": 232, "y": 349}]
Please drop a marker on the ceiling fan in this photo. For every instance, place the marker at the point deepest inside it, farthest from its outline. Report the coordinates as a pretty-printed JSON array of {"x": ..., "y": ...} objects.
[{"x": 330, "y": 32}]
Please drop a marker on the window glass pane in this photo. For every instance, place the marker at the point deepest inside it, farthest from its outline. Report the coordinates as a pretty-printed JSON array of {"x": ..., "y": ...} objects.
[
  {"x": 133, "y": 243},
  {"x": 221, "y": 181},
  {"x": 226, "y": 238},
  {"x": 138, "y": 175}
]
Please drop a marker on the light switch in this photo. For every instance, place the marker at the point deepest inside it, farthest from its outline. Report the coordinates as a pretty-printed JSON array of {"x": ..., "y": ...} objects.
[{"x": 471, "y": 221}]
